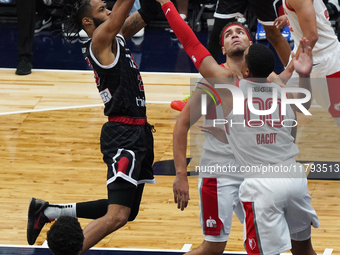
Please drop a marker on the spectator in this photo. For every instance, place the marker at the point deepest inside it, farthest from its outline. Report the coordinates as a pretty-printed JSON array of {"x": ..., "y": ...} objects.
[{"x": 26, "y": 26}]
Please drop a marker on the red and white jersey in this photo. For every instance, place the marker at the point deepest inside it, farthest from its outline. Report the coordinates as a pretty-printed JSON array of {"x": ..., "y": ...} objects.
[
  {"x": 259, "y": 140},
  {"x": 327, "y": 39}
]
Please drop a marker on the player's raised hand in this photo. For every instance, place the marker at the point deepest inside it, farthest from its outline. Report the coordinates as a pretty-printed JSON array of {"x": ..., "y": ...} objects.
[{"x": 304, "y": 63}]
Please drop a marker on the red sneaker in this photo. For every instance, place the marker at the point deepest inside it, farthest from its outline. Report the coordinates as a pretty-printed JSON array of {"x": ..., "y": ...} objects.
[{"x": 178, "y": 105}]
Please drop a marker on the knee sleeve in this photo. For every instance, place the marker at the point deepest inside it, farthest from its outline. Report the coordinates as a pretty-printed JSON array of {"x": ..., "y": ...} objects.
[
  {"x": 92, "y": 209},
  {"x": 136, "y": 202}
]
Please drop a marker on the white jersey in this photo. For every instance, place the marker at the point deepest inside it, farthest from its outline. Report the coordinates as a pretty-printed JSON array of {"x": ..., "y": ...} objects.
[
  {"x": 217, "y": 153},
  {"x": 259, "y": 141},
  {"x": 327, "y": 39}
]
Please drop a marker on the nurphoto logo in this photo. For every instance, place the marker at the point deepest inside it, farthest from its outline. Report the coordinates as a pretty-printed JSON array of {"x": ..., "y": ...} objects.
[{"x": 264, "y": 109}]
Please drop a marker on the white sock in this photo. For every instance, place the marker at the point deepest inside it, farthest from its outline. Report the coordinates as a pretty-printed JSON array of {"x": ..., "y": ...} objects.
[{"x": 57, "y": 210}]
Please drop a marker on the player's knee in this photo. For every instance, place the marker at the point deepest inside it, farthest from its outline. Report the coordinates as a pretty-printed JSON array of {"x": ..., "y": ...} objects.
[{"x": 116, "y": 221}]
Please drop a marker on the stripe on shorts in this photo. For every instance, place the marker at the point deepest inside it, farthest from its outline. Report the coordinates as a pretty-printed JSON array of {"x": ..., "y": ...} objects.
[
  {"x": 252, "y": 242},
  {"x": 212, "y": 223},
  {"x": 333, "y": 84}
]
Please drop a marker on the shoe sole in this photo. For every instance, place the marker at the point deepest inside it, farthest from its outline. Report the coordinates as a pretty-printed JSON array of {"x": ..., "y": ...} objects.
[
  {"x": 30, "y": 221},
  {"x": 23, "y": 73}
]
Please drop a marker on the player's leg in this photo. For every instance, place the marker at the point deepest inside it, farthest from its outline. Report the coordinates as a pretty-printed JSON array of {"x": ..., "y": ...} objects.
[
  {"x": 218, "y": 197},
  {"x": 300, "y": 216},
  {"x": 301, "y": 243},
  {"x": 121, "y": 196},
  {"x": 265, "y": 228},
  {"x": 41, "y": 212},
  {"x": 208, "y": 248},
  {"x": 279, "y": 43}
]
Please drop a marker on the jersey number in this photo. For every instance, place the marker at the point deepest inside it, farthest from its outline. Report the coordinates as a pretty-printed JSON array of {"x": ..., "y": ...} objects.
[{"x": 276, "y": 123}]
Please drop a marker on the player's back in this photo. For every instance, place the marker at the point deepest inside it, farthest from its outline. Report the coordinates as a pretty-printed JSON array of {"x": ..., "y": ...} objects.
[{"x": 262, "y": 140}]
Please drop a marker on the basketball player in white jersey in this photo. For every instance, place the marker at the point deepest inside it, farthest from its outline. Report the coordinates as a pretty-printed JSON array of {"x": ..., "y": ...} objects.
[
  {"x": 218, "y": 192},
  {"x": 285, "y": 196},
  {"x": 275, "y": 198},
  {"x": 310, "y": 19}
]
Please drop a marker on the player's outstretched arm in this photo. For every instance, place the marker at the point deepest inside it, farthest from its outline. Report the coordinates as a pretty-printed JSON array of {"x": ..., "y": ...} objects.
[
  {"x": 190, "y": 114},
  {"x": 200, "y": 56},
  {"x": 139, "y": 19},
  {"x": 303, "y": 65},
  {"x": 305, "y": 12},
  {"x": 103, "y": 38}
]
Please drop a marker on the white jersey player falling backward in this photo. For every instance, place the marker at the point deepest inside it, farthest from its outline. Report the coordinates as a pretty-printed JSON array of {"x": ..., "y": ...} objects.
[
  {"x": 269, "y": 203},
  {"x": 310, "y": 19}
]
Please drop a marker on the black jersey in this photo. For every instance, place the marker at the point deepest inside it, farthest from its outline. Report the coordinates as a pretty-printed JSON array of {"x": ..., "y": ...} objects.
[{"x": 120, "y": 84}]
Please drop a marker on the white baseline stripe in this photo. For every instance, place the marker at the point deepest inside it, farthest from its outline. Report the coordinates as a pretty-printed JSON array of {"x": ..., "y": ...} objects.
[
  {"x": 90, "y": 71},
  {"x": 327, "y": 251},
  {"x": 70, "y": 107},
  {"x": 186, "y": 247}
]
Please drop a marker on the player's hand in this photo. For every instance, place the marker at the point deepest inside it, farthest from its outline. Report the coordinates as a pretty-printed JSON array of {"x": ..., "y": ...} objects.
[
  {"x": 181, "y": 192},
  {"x": 304, "y": 63},
  {"x": 217, "y": 132},
  {"x": 281, "y": 22}
]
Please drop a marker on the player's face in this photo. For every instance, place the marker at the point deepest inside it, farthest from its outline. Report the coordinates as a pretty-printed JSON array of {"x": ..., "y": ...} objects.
[
  {"x": 99, "y": 12},
  {"x": 235, "y": 41}
]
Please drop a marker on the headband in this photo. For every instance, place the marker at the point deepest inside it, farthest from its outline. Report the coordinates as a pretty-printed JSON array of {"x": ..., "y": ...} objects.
[{"x": 222, "y": 40}]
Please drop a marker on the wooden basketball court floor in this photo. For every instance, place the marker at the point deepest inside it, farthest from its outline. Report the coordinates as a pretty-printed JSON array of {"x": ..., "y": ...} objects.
[{"x": 49, "y": 131}]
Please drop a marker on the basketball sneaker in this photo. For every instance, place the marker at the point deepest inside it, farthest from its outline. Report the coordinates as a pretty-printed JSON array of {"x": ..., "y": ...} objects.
[
  {"x": 42, "y": 24},
  {"x": 36, "y": 219},
  {"x": 178, "y": 105}
]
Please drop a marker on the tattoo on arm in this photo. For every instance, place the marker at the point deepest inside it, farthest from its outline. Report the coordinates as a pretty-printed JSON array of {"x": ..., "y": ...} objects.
[{"x": 132, "y": 25}]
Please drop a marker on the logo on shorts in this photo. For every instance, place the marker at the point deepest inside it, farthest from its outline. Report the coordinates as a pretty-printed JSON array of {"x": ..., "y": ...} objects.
[
  {"x": 252, "y": 243},
  {"x": 211, "y": 223},
  {"x": 337, "y": 107}
]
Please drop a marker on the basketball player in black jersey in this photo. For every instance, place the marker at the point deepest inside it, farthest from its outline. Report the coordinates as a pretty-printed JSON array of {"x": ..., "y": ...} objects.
[{"x": 126, "y": 139}]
